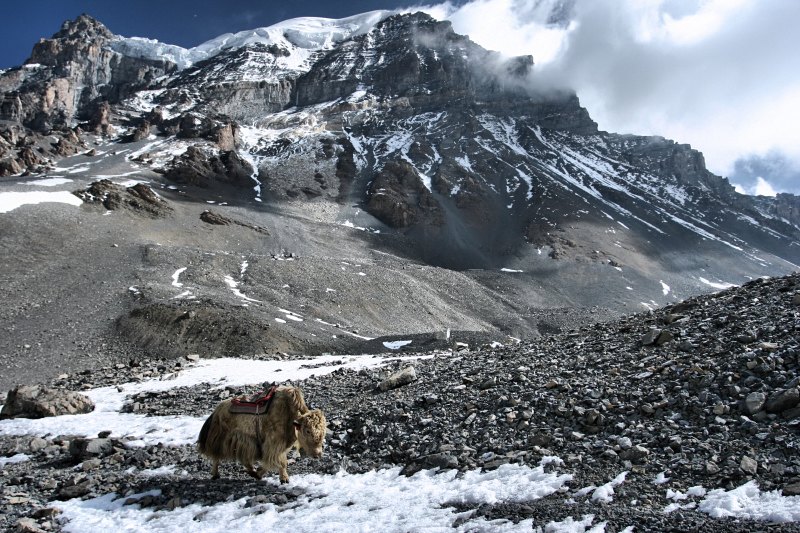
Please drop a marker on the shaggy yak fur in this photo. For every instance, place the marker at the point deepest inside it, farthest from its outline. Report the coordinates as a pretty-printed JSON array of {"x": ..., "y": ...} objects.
[{"x": 263, "y": 439}]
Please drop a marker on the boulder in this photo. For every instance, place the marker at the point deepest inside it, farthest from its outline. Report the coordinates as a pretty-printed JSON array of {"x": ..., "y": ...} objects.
[
  {"x": 656, "y": 337},
  {"x": 82, "y": 448},
  {"x": 398, "y": 379},
  {"x": 781, "y": 400},
  {"x": 38, "y": 401},
  {"x": 754, "y": 402}
]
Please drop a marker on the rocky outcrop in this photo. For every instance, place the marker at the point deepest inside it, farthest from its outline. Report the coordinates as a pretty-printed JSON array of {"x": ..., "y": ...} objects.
[
  {"x": 139, "y": 198},
  {"x": 69, "y": 73},
  {"x": 199, "y": 167},
  {"x": 141, "y": 132},
  {"x": 216, "y": 219},
  {"x": 23, "y": 151},
  {"x": 787, "y": 206},
  {"x": 99, "y": 117},
  {"x": 38, "y": 401},
  {"x": 197, "y": 125},
  {"x": 400, "y": 199}
]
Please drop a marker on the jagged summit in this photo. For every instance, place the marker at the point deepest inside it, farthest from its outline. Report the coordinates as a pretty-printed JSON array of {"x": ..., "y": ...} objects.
[{"x": 83, "y": 27}]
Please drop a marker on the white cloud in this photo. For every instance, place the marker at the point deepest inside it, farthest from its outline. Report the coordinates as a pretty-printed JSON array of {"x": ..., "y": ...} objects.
[
  {"x": 719, "y": 74},
  {"x": 763, "y": 188}
]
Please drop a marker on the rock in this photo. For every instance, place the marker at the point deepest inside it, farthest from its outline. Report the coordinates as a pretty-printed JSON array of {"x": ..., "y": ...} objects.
[
  {"x": 635, "y": 454},
  {"x": 27, "y": 525},
  {"x": 36, "y": 444},
  {"x": 197, "y": 166},
  {"x": 140, "y": 198},
  {"x": 141, "y": 132},
  {"x": 754, "y": 402},
  {"x": 38, "y": 401},
  {"x": 748, "y": 465},
  {"x": 793, "y": 489},
  {"x": 442, "y": 460},
  {"x": 74, "y": 491},
  {"x": 656, "y": 337},
  {"x": 398, "y": 379},
  {"x": 82, "y": 448},
  {"x": 211, "y": 217},
  {"x": 782, "y": 400},
  {"x": 686, "y": 346},
  {"x": 193, "y": 357},
  {"x": 398, "y": 198},
  {"x": 90, "y": 464},
  {"x": 98, "y": 119},
  {"x": 488, "y": 383}
]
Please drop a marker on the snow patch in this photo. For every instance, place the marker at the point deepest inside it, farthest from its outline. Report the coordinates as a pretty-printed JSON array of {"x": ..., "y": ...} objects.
[
  {"x": 749, "y": 503},
  {"x": 176, "y": 275},
  {"x": 342, "y": 502},
  {"x": 605, "y": 493},
  {"x": 396, "y": 345},
  {"x": 664, "y": 287},
  {"x": 715, "y": 285},
  {"x": 46, "y": 182},
  {"x": 17, "y": 458},
  {"x": 12, "y": 200}
]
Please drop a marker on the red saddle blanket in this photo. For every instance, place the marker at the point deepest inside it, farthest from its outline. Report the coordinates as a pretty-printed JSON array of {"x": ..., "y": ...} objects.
[{"x": 255, "y": 405}]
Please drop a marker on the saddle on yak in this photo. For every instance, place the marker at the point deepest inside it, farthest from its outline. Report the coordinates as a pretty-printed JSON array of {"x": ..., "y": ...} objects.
[{"x": 257, "y": 404}]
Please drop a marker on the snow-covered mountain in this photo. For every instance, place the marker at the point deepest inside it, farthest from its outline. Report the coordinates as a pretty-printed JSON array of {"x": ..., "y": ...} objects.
[
  {"x": 381, "y": 139},
  {"x": 179, "y": 225}
]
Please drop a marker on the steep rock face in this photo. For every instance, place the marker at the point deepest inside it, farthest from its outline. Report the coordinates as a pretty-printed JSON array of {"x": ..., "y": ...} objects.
[
  {"x": 68, "y": 72},
  {"x": 787, "y": 206},
  {"x": 240, "y": 83},
  {"x": 422, "y": 60},
  {"x": 398, "y": 197}
]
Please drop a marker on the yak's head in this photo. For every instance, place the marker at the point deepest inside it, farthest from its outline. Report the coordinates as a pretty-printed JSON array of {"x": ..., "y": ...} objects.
[{"x": 310, "y": 429}]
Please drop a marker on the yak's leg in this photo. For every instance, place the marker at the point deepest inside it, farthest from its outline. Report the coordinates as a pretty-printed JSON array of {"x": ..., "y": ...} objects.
[
  {"x": 261, "y": 471},
  {"x": 256, "y": 473},
  {"x": 283, "y": 470},
  {"x": 215, "y": 469}
]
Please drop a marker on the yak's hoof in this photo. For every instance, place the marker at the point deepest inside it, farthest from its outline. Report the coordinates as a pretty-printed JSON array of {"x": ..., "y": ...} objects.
[
  {"x": 215, "y": 476},
  {"x": 284, "y": 481}
]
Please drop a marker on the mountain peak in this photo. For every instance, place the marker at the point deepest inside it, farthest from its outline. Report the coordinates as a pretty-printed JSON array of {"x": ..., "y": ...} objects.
[{"x": 83, "y": 27}]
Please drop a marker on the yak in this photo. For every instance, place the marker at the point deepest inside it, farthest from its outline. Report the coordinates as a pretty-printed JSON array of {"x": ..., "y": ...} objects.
[{"x": 263, "y": 439}]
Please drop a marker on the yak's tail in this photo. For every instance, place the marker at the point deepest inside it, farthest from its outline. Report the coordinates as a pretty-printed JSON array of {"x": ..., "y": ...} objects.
[{"x": 202, "y": 439}]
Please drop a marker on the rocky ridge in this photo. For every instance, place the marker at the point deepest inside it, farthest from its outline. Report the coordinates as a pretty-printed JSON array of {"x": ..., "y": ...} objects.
[{"x": 703, "y": 392}]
